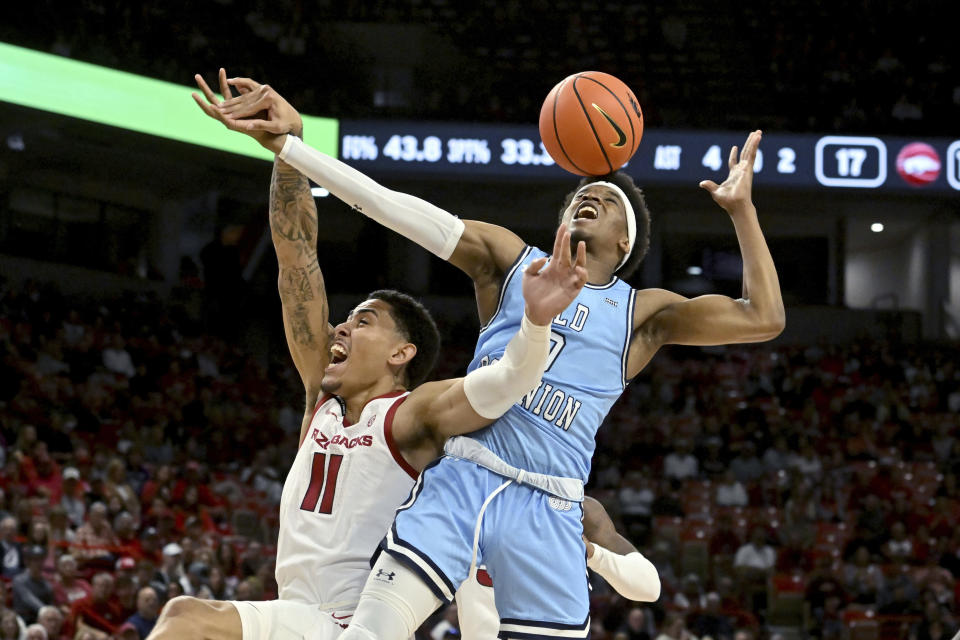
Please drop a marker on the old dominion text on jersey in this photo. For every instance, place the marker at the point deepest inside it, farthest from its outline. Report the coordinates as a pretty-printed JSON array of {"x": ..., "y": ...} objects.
[{"x": 552, "y": 429}]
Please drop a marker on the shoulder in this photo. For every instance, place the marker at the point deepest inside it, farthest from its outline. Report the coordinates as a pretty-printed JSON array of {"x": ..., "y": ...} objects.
[{"x": 390, "y": 401}]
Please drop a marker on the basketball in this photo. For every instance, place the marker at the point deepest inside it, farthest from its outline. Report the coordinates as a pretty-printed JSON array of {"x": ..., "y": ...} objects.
[{"x": 591, "y": 123}]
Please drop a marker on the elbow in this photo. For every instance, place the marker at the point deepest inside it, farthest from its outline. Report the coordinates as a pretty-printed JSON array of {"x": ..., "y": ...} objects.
[
  {"x": 776, "y": 324},
  {"x": 649, "y": 586},
  {"x": 771, "y": 324},
  {"x": 653, "y": 592}
]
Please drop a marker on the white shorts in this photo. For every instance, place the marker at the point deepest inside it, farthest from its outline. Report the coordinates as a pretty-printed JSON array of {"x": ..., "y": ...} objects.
[{"x": 290, "y": 620}]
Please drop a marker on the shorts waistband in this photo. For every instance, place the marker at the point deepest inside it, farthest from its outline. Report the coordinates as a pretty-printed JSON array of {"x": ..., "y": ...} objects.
[{"x": 469, "y": 449}]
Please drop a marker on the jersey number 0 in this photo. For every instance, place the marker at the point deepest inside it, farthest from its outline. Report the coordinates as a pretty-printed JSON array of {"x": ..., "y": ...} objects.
[{"x": 317, "y": 477}]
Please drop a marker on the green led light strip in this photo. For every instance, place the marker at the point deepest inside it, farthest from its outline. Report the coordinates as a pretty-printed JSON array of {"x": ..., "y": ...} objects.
[{"x": 86, "y": 91}]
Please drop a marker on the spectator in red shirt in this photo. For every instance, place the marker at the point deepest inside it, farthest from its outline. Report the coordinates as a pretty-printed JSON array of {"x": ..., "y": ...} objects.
[
  {"x": 99, "y": 610},
  {"x": 95, "y": 539},
  {"x": 43, "y": 473},
  {"x": 125, "y": 595},
  {"x": 67, "y": 587},
  {"x": 125, "y": 528}
]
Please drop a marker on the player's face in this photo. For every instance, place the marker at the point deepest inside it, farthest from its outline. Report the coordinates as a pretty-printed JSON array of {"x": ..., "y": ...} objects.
[
  {"x": 596, "y": 215},
  {"x": 363, "y": 349}
]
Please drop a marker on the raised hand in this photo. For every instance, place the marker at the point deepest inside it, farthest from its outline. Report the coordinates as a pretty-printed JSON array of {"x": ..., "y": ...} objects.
[
  {"x": 548, "y": 290},
  {"x": 261, "y": 100},
  {"x": 734, "y": 194},
  {"x": 270, "y": 138}
]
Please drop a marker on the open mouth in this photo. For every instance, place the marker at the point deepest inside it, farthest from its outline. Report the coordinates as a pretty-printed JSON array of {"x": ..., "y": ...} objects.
[
  {"x": 338, "y": 354},
  {"x": 586, "y": 212}
]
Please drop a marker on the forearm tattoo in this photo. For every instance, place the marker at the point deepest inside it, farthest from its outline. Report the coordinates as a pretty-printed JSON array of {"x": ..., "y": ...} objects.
[
  {"x": 293, "y": 213},
  {"x": 293, "y": 226}
]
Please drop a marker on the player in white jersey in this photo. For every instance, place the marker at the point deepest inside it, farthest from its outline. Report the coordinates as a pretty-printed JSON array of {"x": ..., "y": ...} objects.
[
  {"x": 611, "y": 555},
  {"x": 363, "y": 443}
]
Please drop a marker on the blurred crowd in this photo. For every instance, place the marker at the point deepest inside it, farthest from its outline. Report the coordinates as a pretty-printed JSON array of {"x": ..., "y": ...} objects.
[
  {"x": 852, "y": 65},
  {"x": 774, "y": 487},
  {"x": 779, "y": 487},
  {"x": 136, "y": 464}
]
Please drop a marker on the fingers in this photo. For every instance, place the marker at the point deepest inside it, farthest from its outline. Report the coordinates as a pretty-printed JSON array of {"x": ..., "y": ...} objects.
[
  {"x": 581, "y": 276},
  {"x": 563, "y": 258},
  {"x": 558, "y": 239},
  {"x": 259, "y": 90},
  {"x": 534, "y": 267},
  {"x": 243, "y": 84},
  {"x": 224, "y": 87},
  {"x": 246, "y": 105},
  {"x": 709, "y": 185},
  {"x": 751, "y": 145},
  {"x": 208, "y": 108},
  {"x": 732, "y": 161},
  {"x": 207, "y": 91},
  {"x": 582, "y": 255},
  {"x": 263, "y": 125}
]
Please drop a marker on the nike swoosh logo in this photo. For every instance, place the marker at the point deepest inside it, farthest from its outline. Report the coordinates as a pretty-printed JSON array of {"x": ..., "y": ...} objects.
[
  {"x": 336, "y": 617},
  {"x": 622, "y": 140}
]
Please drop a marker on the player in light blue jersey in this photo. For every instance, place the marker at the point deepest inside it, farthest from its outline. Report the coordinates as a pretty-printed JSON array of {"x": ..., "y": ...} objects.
[{"x": 509, "y": 496}]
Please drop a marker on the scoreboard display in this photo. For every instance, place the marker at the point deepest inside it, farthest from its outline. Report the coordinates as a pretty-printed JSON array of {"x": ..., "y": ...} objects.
[{"x": 830, "y": 162}]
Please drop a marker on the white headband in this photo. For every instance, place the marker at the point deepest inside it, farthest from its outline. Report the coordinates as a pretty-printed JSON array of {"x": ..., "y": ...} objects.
[{"x": 628, "y": 211}]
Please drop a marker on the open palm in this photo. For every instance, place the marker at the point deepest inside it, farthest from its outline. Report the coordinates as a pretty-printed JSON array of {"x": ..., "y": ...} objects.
[
  {"x": 548, "y": 290},
  {"x": 735, "y": 191}
]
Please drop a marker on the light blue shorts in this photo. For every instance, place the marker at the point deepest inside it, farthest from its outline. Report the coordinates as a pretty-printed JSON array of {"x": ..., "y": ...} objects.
[{"x": 461, "y": 514}]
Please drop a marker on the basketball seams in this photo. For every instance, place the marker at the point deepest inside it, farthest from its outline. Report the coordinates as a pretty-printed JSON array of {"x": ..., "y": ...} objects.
[
  {"x": 556, "y": 132},
  {"x": 568, "y": 141},
  {"x": 590, "y": 121},
  {"x": 633, "y": 133}
]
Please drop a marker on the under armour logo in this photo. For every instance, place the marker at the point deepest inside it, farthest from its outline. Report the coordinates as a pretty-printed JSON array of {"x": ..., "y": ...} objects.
[{"x": 385, "y": 574}]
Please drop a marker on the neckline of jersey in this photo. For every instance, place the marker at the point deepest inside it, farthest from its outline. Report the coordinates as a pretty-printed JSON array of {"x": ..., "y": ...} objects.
[
  {"x": 343, "y": 404},
  {"x": 613, "y": 281}
]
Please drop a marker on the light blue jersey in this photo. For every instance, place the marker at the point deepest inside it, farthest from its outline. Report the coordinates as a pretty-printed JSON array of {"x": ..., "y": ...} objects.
[
  {"x": 552, "y": 429},
  {"x": 509, "y": 496}
]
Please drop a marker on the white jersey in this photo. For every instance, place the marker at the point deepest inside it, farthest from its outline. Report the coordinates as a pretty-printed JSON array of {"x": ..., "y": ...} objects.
[{"x": 338, "y": 501}]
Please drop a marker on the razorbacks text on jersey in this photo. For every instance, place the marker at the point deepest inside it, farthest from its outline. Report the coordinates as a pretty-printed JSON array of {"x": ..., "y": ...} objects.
[
  {"x": 552, "y": 429},
  {"x": 338, "y": 500}
]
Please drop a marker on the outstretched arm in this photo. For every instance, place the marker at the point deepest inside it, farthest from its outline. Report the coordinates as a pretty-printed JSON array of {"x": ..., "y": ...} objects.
[
  {"x": 293, "y": 228},
  {"x": 615, "y": 558},
  {"x": 483, "y": 251},
  {"x": 664, "y": 317},
  {"x": 438, "y": 410}
]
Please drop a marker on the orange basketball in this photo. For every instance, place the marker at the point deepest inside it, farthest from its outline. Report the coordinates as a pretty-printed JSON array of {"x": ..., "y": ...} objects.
[{"x": 591, "y": 123}]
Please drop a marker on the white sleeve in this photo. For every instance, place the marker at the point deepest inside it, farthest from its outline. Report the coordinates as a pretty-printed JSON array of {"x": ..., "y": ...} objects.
[
  {"x": 431, "y": 227},
  {"x": 493, "y": 389},
  {"x": 633, "y": 576}
]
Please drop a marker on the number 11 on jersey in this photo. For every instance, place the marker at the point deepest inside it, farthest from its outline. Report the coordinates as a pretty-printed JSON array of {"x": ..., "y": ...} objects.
[{"x": 318, "y": 473}]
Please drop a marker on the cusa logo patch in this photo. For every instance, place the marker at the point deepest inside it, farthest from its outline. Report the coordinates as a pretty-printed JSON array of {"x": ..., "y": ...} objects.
[{"x": 918, "y": 164}]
